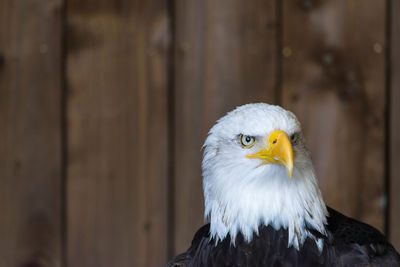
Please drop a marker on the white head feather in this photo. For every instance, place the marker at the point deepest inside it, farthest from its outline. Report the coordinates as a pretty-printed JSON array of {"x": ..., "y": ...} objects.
[{"x": 240, "y": 194}]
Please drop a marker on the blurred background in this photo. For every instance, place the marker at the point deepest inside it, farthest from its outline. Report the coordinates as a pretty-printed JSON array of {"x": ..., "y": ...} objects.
[{"x": 105, "y": 104}]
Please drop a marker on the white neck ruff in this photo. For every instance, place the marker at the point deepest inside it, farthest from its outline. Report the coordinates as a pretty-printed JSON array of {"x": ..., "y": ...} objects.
[{"x": 234, "y": 205}]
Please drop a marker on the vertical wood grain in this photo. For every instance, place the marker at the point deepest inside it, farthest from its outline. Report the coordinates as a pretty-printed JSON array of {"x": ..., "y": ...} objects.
[
  {"x": 394, "y": 125},
  {"x": 334, "y": 80},
  {"x": 30, "y": 135},
  {"x": 117, "y": 133},
  {"x": 225, "y": 56}
]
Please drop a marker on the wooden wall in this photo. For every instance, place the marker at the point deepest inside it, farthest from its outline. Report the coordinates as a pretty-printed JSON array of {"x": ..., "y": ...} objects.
[
  {"x": 104, "y": 106},
  {"x": 393, "y": 135},
  {"x": 31, "y": 169}
]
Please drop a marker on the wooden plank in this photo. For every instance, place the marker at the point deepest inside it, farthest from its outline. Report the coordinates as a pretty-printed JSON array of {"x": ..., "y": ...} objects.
[
  {"x": 225, "y": 56},
  {"x": 117, "y": 133},
  {"x": 334, "y": 81},
  {"x": 30, "y": 135},
  {"x": 394, "y": 126}
]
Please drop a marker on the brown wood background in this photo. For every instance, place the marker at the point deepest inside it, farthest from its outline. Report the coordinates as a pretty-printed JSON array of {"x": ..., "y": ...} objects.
[{"x": 104, "y": 106}]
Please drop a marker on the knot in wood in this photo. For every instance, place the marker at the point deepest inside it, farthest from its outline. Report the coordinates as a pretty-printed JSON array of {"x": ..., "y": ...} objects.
[{"x": 328, "y": 59}]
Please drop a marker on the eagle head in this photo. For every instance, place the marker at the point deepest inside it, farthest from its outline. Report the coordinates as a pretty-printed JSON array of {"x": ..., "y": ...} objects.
[{"x": 258, "y": 171}]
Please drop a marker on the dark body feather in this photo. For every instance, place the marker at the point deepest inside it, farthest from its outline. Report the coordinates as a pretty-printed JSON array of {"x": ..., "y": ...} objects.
[{"x": 348, "y": 243}]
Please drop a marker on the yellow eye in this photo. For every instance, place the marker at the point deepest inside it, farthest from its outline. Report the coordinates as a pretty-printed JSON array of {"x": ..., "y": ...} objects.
[{"x": 247, "y": 141}]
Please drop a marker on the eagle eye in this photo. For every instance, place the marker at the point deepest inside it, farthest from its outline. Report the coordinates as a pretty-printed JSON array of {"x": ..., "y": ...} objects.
[
  {"x": 246, "y": 140},
  {"x": 294, "y": 137}
]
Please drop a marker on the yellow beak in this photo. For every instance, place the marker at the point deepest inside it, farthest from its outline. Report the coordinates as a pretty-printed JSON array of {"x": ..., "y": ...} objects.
[{"x": 279, "y": 151}]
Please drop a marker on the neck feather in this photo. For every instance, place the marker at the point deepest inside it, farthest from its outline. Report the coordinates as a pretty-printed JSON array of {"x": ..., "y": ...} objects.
[{"x": 293, "y": 204}]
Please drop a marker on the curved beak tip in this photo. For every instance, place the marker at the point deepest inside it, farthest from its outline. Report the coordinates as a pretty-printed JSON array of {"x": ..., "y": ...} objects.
[{"x": 290, "y": 171}]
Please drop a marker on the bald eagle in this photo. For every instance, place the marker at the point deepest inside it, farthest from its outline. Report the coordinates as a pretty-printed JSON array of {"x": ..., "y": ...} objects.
[{"x": 264, "y": 204}]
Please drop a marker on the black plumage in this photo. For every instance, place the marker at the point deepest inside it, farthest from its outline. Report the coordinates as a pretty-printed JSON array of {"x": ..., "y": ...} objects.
[{"x": 348, "y": 243}]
